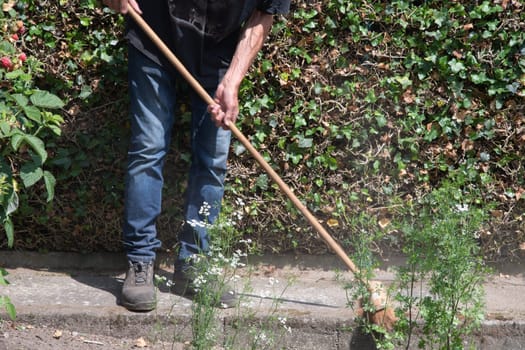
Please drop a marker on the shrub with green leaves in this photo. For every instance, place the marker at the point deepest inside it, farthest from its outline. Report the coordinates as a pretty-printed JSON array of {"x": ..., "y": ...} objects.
[
  {"x": 384, "y": 100},
  {"x": 27, "y": 121},
  {"x": 357, "y": 105}
]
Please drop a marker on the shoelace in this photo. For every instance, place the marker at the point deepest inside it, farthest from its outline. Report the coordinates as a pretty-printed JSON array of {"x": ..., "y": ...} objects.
[{"x": 140, "y": 273}]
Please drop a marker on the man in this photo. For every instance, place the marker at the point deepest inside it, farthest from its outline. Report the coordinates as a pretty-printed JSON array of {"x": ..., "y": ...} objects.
[{"x": 217, "y": 41}]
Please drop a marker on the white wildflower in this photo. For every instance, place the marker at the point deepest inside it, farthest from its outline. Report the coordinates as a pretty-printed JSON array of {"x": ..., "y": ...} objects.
[
  {"x": 282, "y": 321},
  {"x": 163, "y": 280},
  {"x": 239, "y": 215},
  {"x": 197, "y": 223},
  {"x": 199, "y": 282},
  {"x": 235, "y": 278},
  {"x": 261, "y": 337},
  {"x": 239, "y": 253},
  {"x": 205, "y": 209},
  {"x": 273, "y": 281},
  {"x": 195, "y": 258},
  {"x": 215, "y": 271},
  {"x": 462, "y": 207}
]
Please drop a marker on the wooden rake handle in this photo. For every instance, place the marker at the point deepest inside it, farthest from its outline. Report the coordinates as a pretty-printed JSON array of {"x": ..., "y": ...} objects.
[{"x": 246, "y": 143}]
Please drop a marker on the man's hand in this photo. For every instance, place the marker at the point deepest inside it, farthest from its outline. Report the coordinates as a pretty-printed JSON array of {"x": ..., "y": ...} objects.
[
  {"x": 226, "y": 109},
  {"x": 122, "y": 5},
  {"x": 255, "y": 31}
]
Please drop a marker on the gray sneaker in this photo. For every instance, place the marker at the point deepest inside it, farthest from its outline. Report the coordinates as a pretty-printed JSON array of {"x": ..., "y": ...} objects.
[
  {"x": 224, "y": 295},
  {"x": 138, "y": 291}
]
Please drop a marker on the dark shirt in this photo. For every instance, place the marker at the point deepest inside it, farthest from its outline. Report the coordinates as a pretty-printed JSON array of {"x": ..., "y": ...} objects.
[{"x": 203, "y": 34}]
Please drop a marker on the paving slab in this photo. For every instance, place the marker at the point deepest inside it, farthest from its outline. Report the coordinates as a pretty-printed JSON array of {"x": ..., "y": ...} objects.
[{"x": 297, "y": 302}]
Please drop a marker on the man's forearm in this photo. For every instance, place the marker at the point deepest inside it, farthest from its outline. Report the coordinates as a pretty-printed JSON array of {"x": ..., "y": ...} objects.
[{"x": 252, "y": 39}]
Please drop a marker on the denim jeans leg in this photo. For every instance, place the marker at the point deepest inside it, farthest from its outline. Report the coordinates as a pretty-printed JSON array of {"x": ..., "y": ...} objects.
[
  {"x": 152, "y": 102},
  {"x": 210, "y": 146}
]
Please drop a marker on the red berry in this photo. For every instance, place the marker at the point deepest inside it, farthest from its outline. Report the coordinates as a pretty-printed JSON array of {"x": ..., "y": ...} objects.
[
  {"x": 22, "y": 57},
  {"x": 6, "y": 62},
  {"x": 14, "y": 37},
  {"x": 22, "y": 29}
]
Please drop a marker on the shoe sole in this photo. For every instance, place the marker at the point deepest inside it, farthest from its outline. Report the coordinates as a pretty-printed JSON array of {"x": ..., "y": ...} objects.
[{"x": 140, "y": 306}]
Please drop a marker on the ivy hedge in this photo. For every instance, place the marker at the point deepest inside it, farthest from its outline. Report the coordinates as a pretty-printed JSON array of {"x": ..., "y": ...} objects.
[{"x": 361, "y": 106}]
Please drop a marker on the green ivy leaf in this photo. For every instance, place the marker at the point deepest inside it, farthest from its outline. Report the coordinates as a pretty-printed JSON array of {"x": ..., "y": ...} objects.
[
  {"x": 479, "y": 78},
  {"x": 332, "y": 163},
  {"x": 105, "y": 57},
  {"x": 5, "y": 46},
  {"x": 9, "y": 231},
  {"x": 50, "y": 182},
  {"x": 239, "y": 149},
  {"x": 9, "y": 307},
  {"x": 456, "y": 66},
  {"x": 18, "y": 74},
  {"x": 85, "y": 92},
  {"x": 404, "y": 81},
  {"x": 31, "y": 173},
  {"x": 5, "y": 128},
  {"x": 262, "y": 182},
  {"x": 33, "y": 113},
  {"x": 381, "y": 120},
  {"x": 299, "y": 121},
  {"x": 45, "y": 99},
  {"x": 16, "y": 140},
  {"x": 3, "y": 281},
  {"x": 85, "y": 21},
  {"x": 37, "y": 145},
  {"x": 296, "y": 158},
  {"x": 305, "y": 142},
  {"x": 20, "y": 99},
  {"x": 52, "y": 118},
  {"x": 12, "y": 203}
]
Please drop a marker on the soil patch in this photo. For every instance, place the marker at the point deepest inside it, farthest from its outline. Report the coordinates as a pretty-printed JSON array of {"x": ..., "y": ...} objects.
[{"x": 28, "y": 337}]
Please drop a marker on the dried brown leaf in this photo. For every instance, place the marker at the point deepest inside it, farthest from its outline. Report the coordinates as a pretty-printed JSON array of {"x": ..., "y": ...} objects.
[
  {"x": 383, "y": 66},
  {"x": 519, "y": 193},
  {"x": 384, "y": 222},
  {"x": 6, "y": 6},
  {"x": 141, "y": 343},
  {"x": 408, "y": 97},
  {"x": 332, "y": 222},
  {"x": 268, "y": 270},
  {"x": 467, "y": 145},
  {"x": 457, "y": 54},
  {"x": 497, "y": 213}
]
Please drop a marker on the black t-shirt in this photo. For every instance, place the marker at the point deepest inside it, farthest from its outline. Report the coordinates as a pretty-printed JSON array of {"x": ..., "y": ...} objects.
[{"x": 203, "y": 34}]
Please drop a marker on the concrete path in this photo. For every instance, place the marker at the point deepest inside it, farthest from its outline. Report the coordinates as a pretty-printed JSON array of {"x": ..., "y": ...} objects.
[{"x": 287, "y": 302}]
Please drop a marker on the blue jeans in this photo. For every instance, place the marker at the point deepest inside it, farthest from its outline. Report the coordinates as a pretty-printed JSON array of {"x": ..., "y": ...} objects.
[{"x": 152, "y": 114}]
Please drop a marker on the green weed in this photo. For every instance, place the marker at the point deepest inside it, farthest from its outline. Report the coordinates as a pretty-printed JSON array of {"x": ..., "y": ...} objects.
[{"x": 442, "y": 299}]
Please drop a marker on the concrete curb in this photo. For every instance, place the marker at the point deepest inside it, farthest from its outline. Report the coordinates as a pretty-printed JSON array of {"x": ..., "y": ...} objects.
[{"x": 80, "y": 292}]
